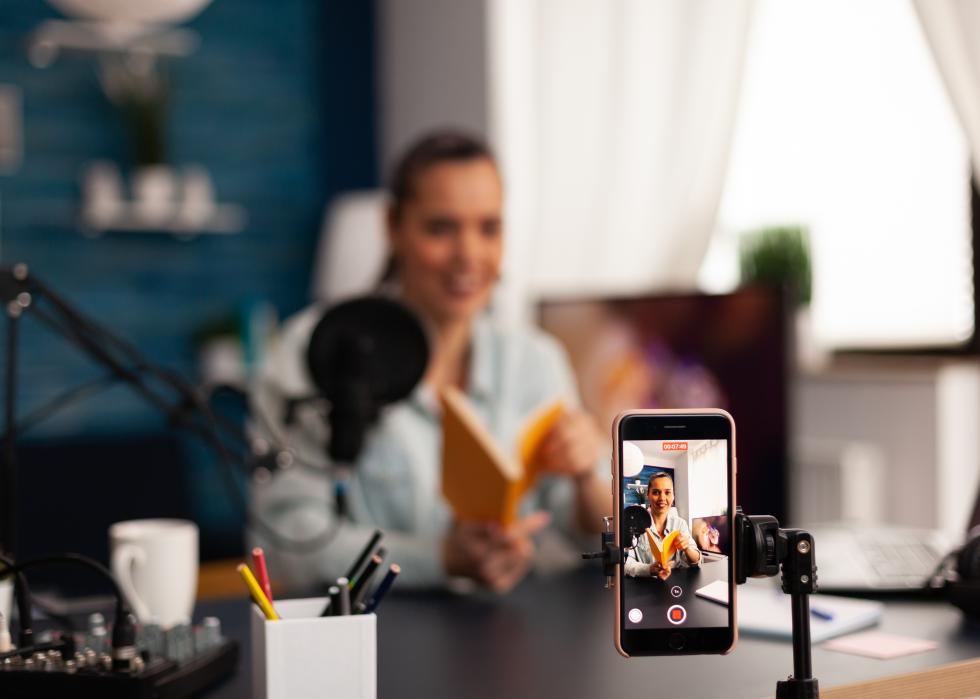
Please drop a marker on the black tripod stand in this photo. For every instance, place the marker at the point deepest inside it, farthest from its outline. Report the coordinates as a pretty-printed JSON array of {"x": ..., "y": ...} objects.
[{"x": 762, "y": 549}]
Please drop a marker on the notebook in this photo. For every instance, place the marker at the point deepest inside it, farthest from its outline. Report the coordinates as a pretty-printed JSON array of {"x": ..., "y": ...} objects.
[{"x": 764, "y": 610}]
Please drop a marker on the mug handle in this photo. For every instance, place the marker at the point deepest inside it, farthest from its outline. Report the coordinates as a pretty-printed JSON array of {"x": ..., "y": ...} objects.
[{"x": 123, "y": 559}]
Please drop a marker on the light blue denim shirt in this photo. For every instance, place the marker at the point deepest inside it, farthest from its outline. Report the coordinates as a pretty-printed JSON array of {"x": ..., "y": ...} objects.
[{"x": 396, "y": 484}]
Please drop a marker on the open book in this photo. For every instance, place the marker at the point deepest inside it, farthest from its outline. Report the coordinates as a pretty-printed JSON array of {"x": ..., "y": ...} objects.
[
  {"x": 479, "y": 480},
  {"x": 663, "y": 554}
]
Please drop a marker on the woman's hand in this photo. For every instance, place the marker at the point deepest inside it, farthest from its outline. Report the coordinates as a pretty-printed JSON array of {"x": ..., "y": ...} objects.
[
  {"x": 683, "y": 541},
  {"x": 495, "y": 557},
  {"x": 660, "y": 571},
  {"x": 685, "y": 544},
  {"x": 572, "y": 447}
]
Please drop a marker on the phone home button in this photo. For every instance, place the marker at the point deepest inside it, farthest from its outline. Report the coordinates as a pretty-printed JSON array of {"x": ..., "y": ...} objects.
[{"x": 676, "y": 641}]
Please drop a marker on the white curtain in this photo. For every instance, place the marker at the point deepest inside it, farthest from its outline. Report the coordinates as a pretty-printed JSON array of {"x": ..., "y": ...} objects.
[
  {"x": 707, "y": 475},
  {"x": 612, "y": 120},
  {"x": 952, "y": 28}
]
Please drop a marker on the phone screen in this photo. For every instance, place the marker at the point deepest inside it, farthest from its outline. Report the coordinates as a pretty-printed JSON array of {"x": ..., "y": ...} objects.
[{"x": 676, "y": 534}]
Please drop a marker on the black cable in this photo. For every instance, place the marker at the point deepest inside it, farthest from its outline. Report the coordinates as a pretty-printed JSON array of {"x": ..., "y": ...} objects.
[
  {"x": 308, "y": 545},
  {"x": 128, "y": 375},
  {"x": 123, "y": 621},
  {"x": 266, "y": 424},
  {"x": 80, "y": 329},
  {"x": 72, "y": 395}
]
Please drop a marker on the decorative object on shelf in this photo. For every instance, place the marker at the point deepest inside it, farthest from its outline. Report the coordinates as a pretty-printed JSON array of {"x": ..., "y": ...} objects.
[
  {"x": 162, "y": 200},
  {"x": 128, "y": 37},
  {"x": 124, "y": 27}
]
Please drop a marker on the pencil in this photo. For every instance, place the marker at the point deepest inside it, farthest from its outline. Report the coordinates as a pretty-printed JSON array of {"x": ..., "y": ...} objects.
[
  {"x": 382, "y": 589},
  {"x": 256, "y": 591},
  {"x": 261, "y": 572},
  {"x": 360, "y": 585},
  {"x": 368, "y": 550}
]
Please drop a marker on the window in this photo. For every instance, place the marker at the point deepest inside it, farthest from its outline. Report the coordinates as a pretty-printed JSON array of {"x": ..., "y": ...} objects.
[{"x": 845, "y": 127}]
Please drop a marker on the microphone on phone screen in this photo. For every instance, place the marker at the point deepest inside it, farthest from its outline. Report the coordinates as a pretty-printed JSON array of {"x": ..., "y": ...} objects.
[{"x": 636, "y": 520}]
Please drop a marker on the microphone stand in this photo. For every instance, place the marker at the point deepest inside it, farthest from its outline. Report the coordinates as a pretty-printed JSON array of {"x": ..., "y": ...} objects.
[
  {"x": 14, "y": 305},
  {"x": 20, "y": 291}
]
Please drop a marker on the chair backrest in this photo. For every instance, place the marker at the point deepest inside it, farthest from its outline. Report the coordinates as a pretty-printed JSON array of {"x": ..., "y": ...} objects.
[{"x": 353, "y": 247}]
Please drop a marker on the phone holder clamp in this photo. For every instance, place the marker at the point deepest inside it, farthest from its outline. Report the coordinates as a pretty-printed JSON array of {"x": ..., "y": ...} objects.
[
  {"x": 763, "y": 550},
  {"x": 610, "y": 555}
]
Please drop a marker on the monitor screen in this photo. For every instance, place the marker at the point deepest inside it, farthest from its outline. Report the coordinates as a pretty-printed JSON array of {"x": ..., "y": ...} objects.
[{"x": 690, "y": 351}]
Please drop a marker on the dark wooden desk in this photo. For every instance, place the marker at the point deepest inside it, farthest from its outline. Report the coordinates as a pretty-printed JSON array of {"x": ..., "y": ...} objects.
[{"x": 553, "y": 637}]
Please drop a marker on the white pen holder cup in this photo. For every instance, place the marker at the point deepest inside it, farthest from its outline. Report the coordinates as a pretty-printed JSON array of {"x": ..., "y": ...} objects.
[{"x": 305, "y": 655}]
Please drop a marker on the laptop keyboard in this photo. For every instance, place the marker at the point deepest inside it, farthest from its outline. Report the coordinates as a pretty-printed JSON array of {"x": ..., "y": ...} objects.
[{"x": 904, "y": 563}]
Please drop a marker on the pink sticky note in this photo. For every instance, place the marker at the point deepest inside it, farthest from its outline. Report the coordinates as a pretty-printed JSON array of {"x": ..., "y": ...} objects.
[{"x": 876, "y": 644}]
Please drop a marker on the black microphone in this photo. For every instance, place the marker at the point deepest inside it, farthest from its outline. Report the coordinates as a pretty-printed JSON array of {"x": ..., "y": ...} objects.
[
  {"x": 636, "y": 520},
  {"x": 364, "y": 354}
]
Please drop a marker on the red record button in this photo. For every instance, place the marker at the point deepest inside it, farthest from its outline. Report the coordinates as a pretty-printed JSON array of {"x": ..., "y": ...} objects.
[{"x": 676, "y": 614}]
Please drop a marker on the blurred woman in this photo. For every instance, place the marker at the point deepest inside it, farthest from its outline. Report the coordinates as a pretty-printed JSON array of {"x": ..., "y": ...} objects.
[{"x": 446, "y": 235}]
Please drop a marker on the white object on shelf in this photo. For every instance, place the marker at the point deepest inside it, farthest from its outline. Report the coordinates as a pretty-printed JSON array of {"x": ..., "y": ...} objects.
[
  {"x": 134, "y": 11},
  {"x": 304, "y": 655},
  {"x": 116, "y": 25},
  {"x": 154, "y": 193},
  {"x": 163, "y": 201},
  {"x": 56, "y": 35}
]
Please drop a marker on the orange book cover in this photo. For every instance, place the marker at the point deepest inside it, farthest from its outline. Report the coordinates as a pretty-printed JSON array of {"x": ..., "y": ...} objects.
[
  {"x": 479, "y": 480},
  {"x": 663, "y": 554}
]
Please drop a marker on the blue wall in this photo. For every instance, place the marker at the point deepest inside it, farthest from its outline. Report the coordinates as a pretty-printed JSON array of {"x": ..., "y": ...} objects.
[{"x": 277, "y": 104}]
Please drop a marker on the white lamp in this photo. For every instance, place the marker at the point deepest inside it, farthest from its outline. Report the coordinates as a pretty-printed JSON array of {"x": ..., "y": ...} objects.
[{"x": 632, "y": 460}]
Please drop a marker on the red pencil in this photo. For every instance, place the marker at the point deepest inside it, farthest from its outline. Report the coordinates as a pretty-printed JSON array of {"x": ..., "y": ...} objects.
[{"x": 261, "y": 572}]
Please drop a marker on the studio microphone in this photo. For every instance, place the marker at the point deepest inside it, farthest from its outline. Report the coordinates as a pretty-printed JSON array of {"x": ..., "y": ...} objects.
[
  {"x": 364, "y": 354},
  {"x": 636, "y": 520}
]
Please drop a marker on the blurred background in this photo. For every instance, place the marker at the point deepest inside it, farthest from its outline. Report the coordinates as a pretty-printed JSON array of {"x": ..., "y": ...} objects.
[{"x": 755, "y": 204}]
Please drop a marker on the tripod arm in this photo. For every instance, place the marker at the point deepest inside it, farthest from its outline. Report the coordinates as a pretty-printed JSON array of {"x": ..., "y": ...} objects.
[{"x": 764, "y": 549}]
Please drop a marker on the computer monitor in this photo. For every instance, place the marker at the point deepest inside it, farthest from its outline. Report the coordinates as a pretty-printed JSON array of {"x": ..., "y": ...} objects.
[{"x": 690, "y": 351}]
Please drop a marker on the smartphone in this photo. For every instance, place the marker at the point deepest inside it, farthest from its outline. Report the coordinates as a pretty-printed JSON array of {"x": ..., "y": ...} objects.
[{"x": 674, "y": 494}]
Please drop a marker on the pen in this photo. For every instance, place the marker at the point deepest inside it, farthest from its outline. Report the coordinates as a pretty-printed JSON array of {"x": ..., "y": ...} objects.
[
  {"x": 361, "y": 584},
  {"x": 338, "y": 603},
  {"x": 257, "y": 595},
  {"x": 333, "y": 606},
  {"x": 343, "y": 598},
  {"x": 261, "y": 572},
  {"x": 368, "y": 550},
  {"x": 821, "y": 614},
  {"x": 382, "y": 588}
]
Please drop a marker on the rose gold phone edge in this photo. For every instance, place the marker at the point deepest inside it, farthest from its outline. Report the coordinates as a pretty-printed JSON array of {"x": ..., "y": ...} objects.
[{"x": 617, "y": 508}]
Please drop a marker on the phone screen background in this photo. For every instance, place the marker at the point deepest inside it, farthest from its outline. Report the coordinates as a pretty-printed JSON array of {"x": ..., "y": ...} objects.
[{"x": 693, "y": 596}]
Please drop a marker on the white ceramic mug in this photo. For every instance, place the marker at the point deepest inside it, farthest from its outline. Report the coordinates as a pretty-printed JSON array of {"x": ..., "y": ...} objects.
[
  {"x": 155, "y": 562},
  {"x": 6, "y": 598}
]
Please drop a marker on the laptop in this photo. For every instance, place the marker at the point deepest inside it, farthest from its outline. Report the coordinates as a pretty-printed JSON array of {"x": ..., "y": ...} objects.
[{"x": 879, "y": 559}]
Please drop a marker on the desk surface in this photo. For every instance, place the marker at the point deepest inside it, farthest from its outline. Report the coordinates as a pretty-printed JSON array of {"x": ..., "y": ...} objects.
[{"x": 553, "y": 637}]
